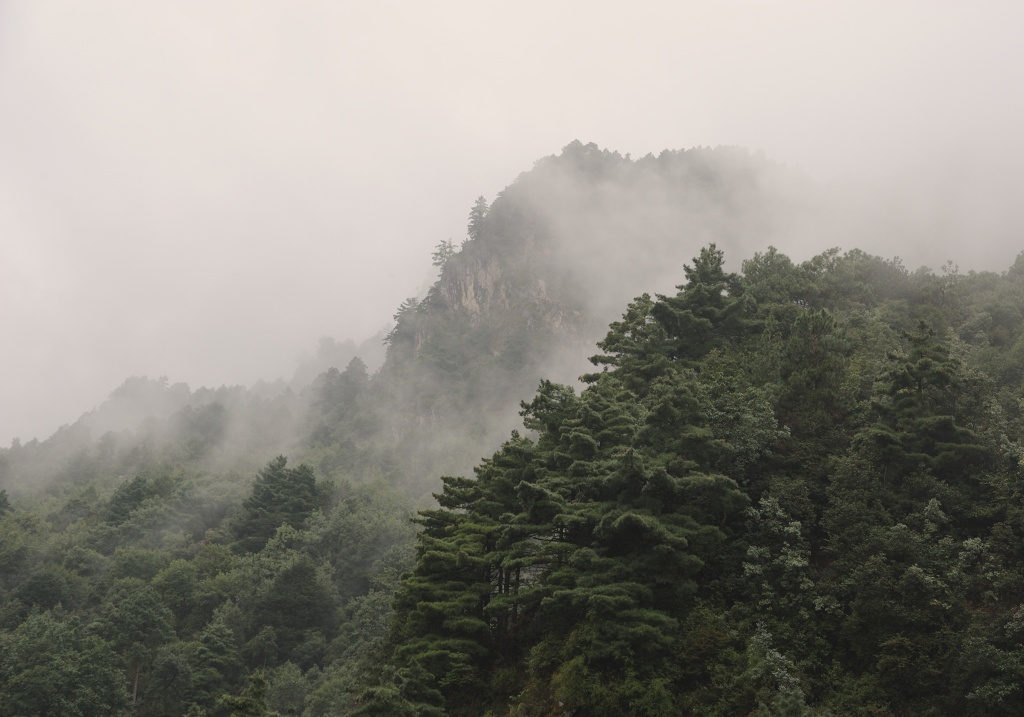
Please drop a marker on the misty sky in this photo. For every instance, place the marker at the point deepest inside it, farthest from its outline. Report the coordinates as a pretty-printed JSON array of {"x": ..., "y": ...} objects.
[{"x": 203, "y": 189}]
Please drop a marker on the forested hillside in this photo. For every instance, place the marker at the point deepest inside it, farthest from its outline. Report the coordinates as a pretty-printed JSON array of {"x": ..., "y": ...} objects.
[
  {"x": 793, "y": 487},
  {"x": 540, "y": 273},
  {"x": 794, "y": 490}
]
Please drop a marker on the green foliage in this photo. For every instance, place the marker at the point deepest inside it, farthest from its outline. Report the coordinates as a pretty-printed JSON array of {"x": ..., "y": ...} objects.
[
  {"x": 610, "y": 564},
  {"x": 280, "y": 496},
  {"x": 404, "y": 692},
  {"x": 637, "y": 346},
  {"x": 404, "y": 331},
  {"x": 250, "y": 703},
  {"x": 916, "y": 410},
  {"x": 52, "y": 665},
  {"x": 137, "y": 624},
  {"x": 216, "y": 664},
  {"x": 477, "y": 215},
  {"x": 578, "y": 550},
  {"x": 795, "y": 490},
  {"x": 286, "y": 690},
  {"x": 128, "y": 498},
  {"x": 296, "y": 605},
  {"x": 343, "y": 412},
  {"x": 442, "y": 253},
  {"x": 708, "y": 312},
  {"x": 47, "y": 588}
]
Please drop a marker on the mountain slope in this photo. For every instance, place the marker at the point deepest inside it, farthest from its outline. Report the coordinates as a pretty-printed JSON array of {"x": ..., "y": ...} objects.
[{"x": 550, "y": 263}]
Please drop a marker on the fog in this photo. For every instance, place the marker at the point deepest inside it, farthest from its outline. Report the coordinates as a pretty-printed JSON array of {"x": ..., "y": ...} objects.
[{"x": 204, "y": 190}]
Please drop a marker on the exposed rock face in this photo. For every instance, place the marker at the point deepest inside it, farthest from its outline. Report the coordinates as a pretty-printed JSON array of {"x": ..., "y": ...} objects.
[
  {"x": 474, "y": 286},
  {"x": 482, "y": 287},
  {"x": 552, "y": 262}
]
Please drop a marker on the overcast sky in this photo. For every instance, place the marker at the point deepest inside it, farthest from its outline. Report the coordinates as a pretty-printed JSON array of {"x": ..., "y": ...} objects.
[{"x": 202, "y": 189}]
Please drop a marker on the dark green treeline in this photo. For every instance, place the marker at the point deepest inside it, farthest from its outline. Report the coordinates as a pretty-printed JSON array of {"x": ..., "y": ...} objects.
[{"x": 790, "y": 491}]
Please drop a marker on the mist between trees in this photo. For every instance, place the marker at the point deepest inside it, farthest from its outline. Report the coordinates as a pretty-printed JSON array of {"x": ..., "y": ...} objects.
[{"x": 789, "y": 486}]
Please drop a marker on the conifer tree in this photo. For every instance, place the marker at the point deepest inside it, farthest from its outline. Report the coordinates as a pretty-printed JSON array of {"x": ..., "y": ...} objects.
[
  {"x": 917, "y": 426},
  {"x": 708, "y": 311},
  {"x": 217, "y": 666},
  {"x": 477, "y": 215},
  {"x": 636, "y": 346},
  {"x": 280, "y": 495}
]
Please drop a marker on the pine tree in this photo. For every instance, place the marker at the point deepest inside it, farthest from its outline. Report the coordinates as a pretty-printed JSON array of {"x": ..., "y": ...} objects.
[
  {"x": 295, "y": 604},
  {"x": 577, "y": 552},
  {"x": 217, "y": 666},
  {"x": 280, "y": 495},
  {"x": 917, "y": 427},
  {"x": 636, "y": 346},
  {"x": 477, "y": 215},
  {"x": 444, "y": 251},
  {"x": 709, "y": 311}
]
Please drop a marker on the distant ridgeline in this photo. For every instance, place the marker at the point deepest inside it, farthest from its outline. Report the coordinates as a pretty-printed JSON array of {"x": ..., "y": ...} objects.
[
  {"x": 540, "y": 274},
  {"x": 793, "y": 488}
]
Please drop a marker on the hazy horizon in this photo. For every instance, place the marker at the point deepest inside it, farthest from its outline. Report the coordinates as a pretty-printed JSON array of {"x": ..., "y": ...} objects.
[{"x": 203, "y": 191}]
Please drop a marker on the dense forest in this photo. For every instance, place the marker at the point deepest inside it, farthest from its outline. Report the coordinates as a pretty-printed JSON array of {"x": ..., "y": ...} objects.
[
  {"x": 792, "y": 488},
  {"x": 790, "y": 491}
]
